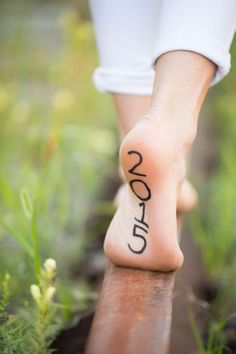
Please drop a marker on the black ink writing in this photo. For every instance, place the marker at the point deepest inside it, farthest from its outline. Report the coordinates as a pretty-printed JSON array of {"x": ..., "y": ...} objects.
[
  {"x": 146, "y": 189},
  {"x": 135, "y": 234},
  {"x": 142, "y": 191},
  {"x": 143, "y": 215},
  {"x": 132, "y": 170}
]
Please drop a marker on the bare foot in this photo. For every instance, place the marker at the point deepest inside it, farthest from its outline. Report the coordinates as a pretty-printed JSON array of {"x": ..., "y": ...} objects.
[{"x": 143, "y": 232}]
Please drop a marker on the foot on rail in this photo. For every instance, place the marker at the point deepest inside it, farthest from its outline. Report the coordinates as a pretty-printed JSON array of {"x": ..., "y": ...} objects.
[{"x": 143, "y": 231}]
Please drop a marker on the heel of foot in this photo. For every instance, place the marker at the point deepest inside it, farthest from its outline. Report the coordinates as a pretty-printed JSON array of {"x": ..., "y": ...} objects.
[{"x": 167, "y": 260}]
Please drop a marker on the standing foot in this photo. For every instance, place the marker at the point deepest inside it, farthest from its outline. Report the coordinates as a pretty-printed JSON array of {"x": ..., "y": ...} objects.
[{"x": 143, "y": 232}]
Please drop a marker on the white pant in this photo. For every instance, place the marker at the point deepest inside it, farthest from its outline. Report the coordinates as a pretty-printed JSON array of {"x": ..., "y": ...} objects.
[{"x": 132, "y": 34}]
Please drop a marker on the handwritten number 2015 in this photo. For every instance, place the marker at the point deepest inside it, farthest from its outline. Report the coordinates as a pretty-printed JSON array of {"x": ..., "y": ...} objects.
[{"x": 144, "y": 197}]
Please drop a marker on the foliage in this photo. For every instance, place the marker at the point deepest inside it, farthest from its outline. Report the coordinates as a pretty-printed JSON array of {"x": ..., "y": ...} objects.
[
  {"x": 213, "y": 224},
  {"x": 13, "y": 336},
  {"x": 57, "y": 146},
  {"x": 33, "y": 329},
  {"x": 45, "y": 323},
  {"x": 215, "y": 343}
]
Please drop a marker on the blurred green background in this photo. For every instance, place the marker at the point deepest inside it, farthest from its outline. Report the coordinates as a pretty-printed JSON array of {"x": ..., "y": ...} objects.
[{"x": 59, "y": 147}]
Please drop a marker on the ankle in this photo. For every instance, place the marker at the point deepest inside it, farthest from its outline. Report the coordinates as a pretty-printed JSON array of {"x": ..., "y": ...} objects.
[
  {"x": 179, "y": 126},
  {"x": 183, "y": 76}
]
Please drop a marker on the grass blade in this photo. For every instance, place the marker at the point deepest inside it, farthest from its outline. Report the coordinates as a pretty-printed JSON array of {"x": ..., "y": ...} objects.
[
  {"x": 196, "y": 333},
  {"x": 18, "y": 237}
]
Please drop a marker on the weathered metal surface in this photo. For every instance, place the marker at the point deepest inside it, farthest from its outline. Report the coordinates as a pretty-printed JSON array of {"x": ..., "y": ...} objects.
[{"x": 133, "y": 314}]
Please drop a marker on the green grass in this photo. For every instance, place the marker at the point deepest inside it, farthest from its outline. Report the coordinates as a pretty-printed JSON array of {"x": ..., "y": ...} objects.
[
  {"x": 58, "y": 144},
  {"x": 213, "y": 224}
]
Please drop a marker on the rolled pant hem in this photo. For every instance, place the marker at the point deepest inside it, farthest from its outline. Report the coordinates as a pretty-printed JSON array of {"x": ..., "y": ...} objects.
[
  {"x": 124, "y": 82},
  {"x": 204, "y": 46}
]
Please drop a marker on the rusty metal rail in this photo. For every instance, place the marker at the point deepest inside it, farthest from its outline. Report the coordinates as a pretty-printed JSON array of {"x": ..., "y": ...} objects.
[{"x": 133, "y": 314}]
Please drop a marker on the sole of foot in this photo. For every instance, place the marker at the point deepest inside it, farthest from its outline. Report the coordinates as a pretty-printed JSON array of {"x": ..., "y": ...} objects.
[{"x": 143, "y": 231}]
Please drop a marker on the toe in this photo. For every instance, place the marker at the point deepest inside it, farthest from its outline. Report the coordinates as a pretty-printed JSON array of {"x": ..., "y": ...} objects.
[{"x": 187, "y": 197}]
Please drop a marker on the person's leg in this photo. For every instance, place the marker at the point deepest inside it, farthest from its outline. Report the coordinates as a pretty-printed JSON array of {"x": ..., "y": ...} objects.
[
  {"x": 143, "y": 232},
  {"x": 130, "y": 109},
  {"x": 126, "y": 36},
  {"x": 126, "y": 40}
]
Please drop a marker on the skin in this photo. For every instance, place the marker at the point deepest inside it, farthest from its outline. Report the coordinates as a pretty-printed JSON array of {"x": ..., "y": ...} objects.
[
  {"x": 143, "y": 232},
  {"x": 130, "y": 110}
]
